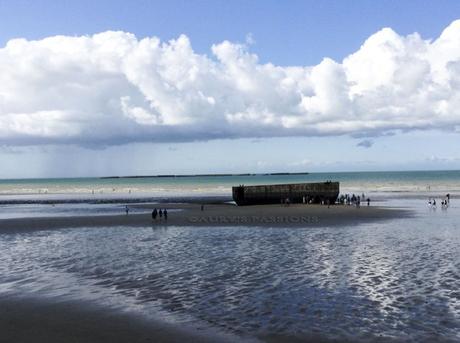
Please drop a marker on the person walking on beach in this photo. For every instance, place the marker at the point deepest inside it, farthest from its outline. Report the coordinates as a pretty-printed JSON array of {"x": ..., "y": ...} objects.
[
  {"x": 444, "y": 205},
  {"x": 368, "y": 201},
  {"x": 127, "y": 209},
  {"x": 165, "y": 213},
  {"x": 154, "y": 214},
  {"x": 160, "y": 213}
]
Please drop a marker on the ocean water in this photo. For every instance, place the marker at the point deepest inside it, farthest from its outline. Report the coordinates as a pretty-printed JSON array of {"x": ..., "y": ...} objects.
[
  {"x": 412, "y": 182},
  {"x": 394, "y": 280}
]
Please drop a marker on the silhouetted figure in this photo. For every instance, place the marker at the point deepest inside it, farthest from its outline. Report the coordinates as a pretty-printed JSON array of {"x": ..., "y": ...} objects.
[
  {"x": 154, "y": 214},
  {"x": 165, "y": 213},
  {"x": 160, "y": 213},
  {"x": 202, "y": 207},
  {"x": 448, "y": 198},
  {"x": 127, "y": 209},
  {"x": 368, "y": 201},
  {"x": 444, "y": 205}
]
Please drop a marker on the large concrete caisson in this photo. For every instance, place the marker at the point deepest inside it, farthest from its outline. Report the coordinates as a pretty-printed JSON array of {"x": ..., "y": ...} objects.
[{"x": 296, "y": 193}]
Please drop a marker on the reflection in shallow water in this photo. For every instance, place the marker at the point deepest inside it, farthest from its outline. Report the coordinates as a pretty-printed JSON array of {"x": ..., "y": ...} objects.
[
  {"x": 64, "y": 210},
  {"x": 396, "y": 279}
]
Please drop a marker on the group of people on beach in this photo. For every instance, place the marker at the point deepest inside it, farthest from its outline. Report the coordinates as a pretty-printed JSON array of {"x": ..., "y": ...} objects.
[
  {"x": 346, "y": 199},
  {"x": 343, "y": 199},
  {"x": 155, "y": 213},
  {"x": 161, "y": 214},
  {"x": 444, "y": 203}
]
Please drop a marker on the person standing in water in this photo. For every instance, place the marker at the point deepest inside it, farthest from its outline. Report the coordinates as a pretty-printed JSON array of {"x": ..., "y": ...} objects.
[
  {"x": 127, "y": 209},
  {"x": 165, "y": 213},
  {"x": 154, "y": 214},
  {"x": 160, "y": 213}
]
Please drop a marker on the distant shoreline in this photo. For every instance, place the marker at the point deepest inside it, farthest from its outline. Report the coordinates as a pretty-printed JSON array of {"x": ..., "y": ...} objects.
[{"x": 199, "y": 175}]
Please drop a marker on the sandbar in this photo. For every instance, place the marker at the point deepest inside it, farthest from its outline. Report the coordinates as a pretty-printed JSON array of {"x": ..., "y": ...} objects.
[{"x": 217, "y": 215}]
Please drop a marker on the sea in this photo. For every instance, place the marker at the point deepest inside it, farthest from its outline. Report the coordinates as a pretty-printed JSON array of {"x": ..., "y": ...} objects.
[{"x": 388, "y": 281}]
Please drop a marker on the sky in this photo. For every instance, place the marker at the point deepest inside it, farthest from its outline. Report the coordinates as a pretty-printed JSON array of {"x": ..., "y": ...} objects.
[{"x": 94, "y": 88}]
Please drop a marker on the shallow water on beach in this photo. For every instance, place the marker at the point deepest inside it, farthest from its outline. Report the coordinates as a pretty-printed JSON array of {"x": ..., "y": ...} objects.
[
  {"x": 394, "y": 280},
  {"x": 64, "y": 210}
]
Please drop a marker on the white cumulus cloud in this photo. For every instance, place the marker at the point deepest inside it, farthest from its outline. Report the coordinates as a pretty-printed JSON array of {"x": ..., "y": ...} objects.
[{"x": 113, "y": 88}]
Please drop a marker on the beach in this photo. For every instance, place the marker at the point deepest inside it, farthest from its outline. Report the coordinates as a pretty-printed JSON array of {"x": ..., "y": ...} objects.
[
  {"x": 229, "y": 171},
  {"x": 75, "y": 267}
]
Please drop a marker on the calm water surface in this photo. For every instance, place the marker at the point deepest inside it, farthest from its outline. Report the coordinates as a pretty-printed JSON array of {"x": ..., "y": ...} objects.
[{"x": 393, "y": 280}]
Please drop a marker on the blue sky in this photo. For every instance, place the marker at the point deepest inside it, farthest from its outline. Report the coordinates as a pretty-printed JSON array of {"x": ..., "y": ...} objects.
[{"x": 285, "y": 34}]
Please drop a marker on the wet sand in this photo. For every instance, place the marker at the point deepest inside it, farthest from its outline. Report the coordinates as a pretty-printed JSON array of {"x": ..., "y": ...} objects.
[
  {"x": 38, "y": 321},
  {"x": 217, "y": 215},
  {"x": 32, "y": 320}
]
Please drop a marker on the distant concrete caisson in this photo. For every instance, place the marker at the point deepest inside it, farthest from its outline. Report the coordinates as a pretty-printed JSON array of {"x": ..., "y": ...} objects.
[{"x": 316, "y": 193}]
